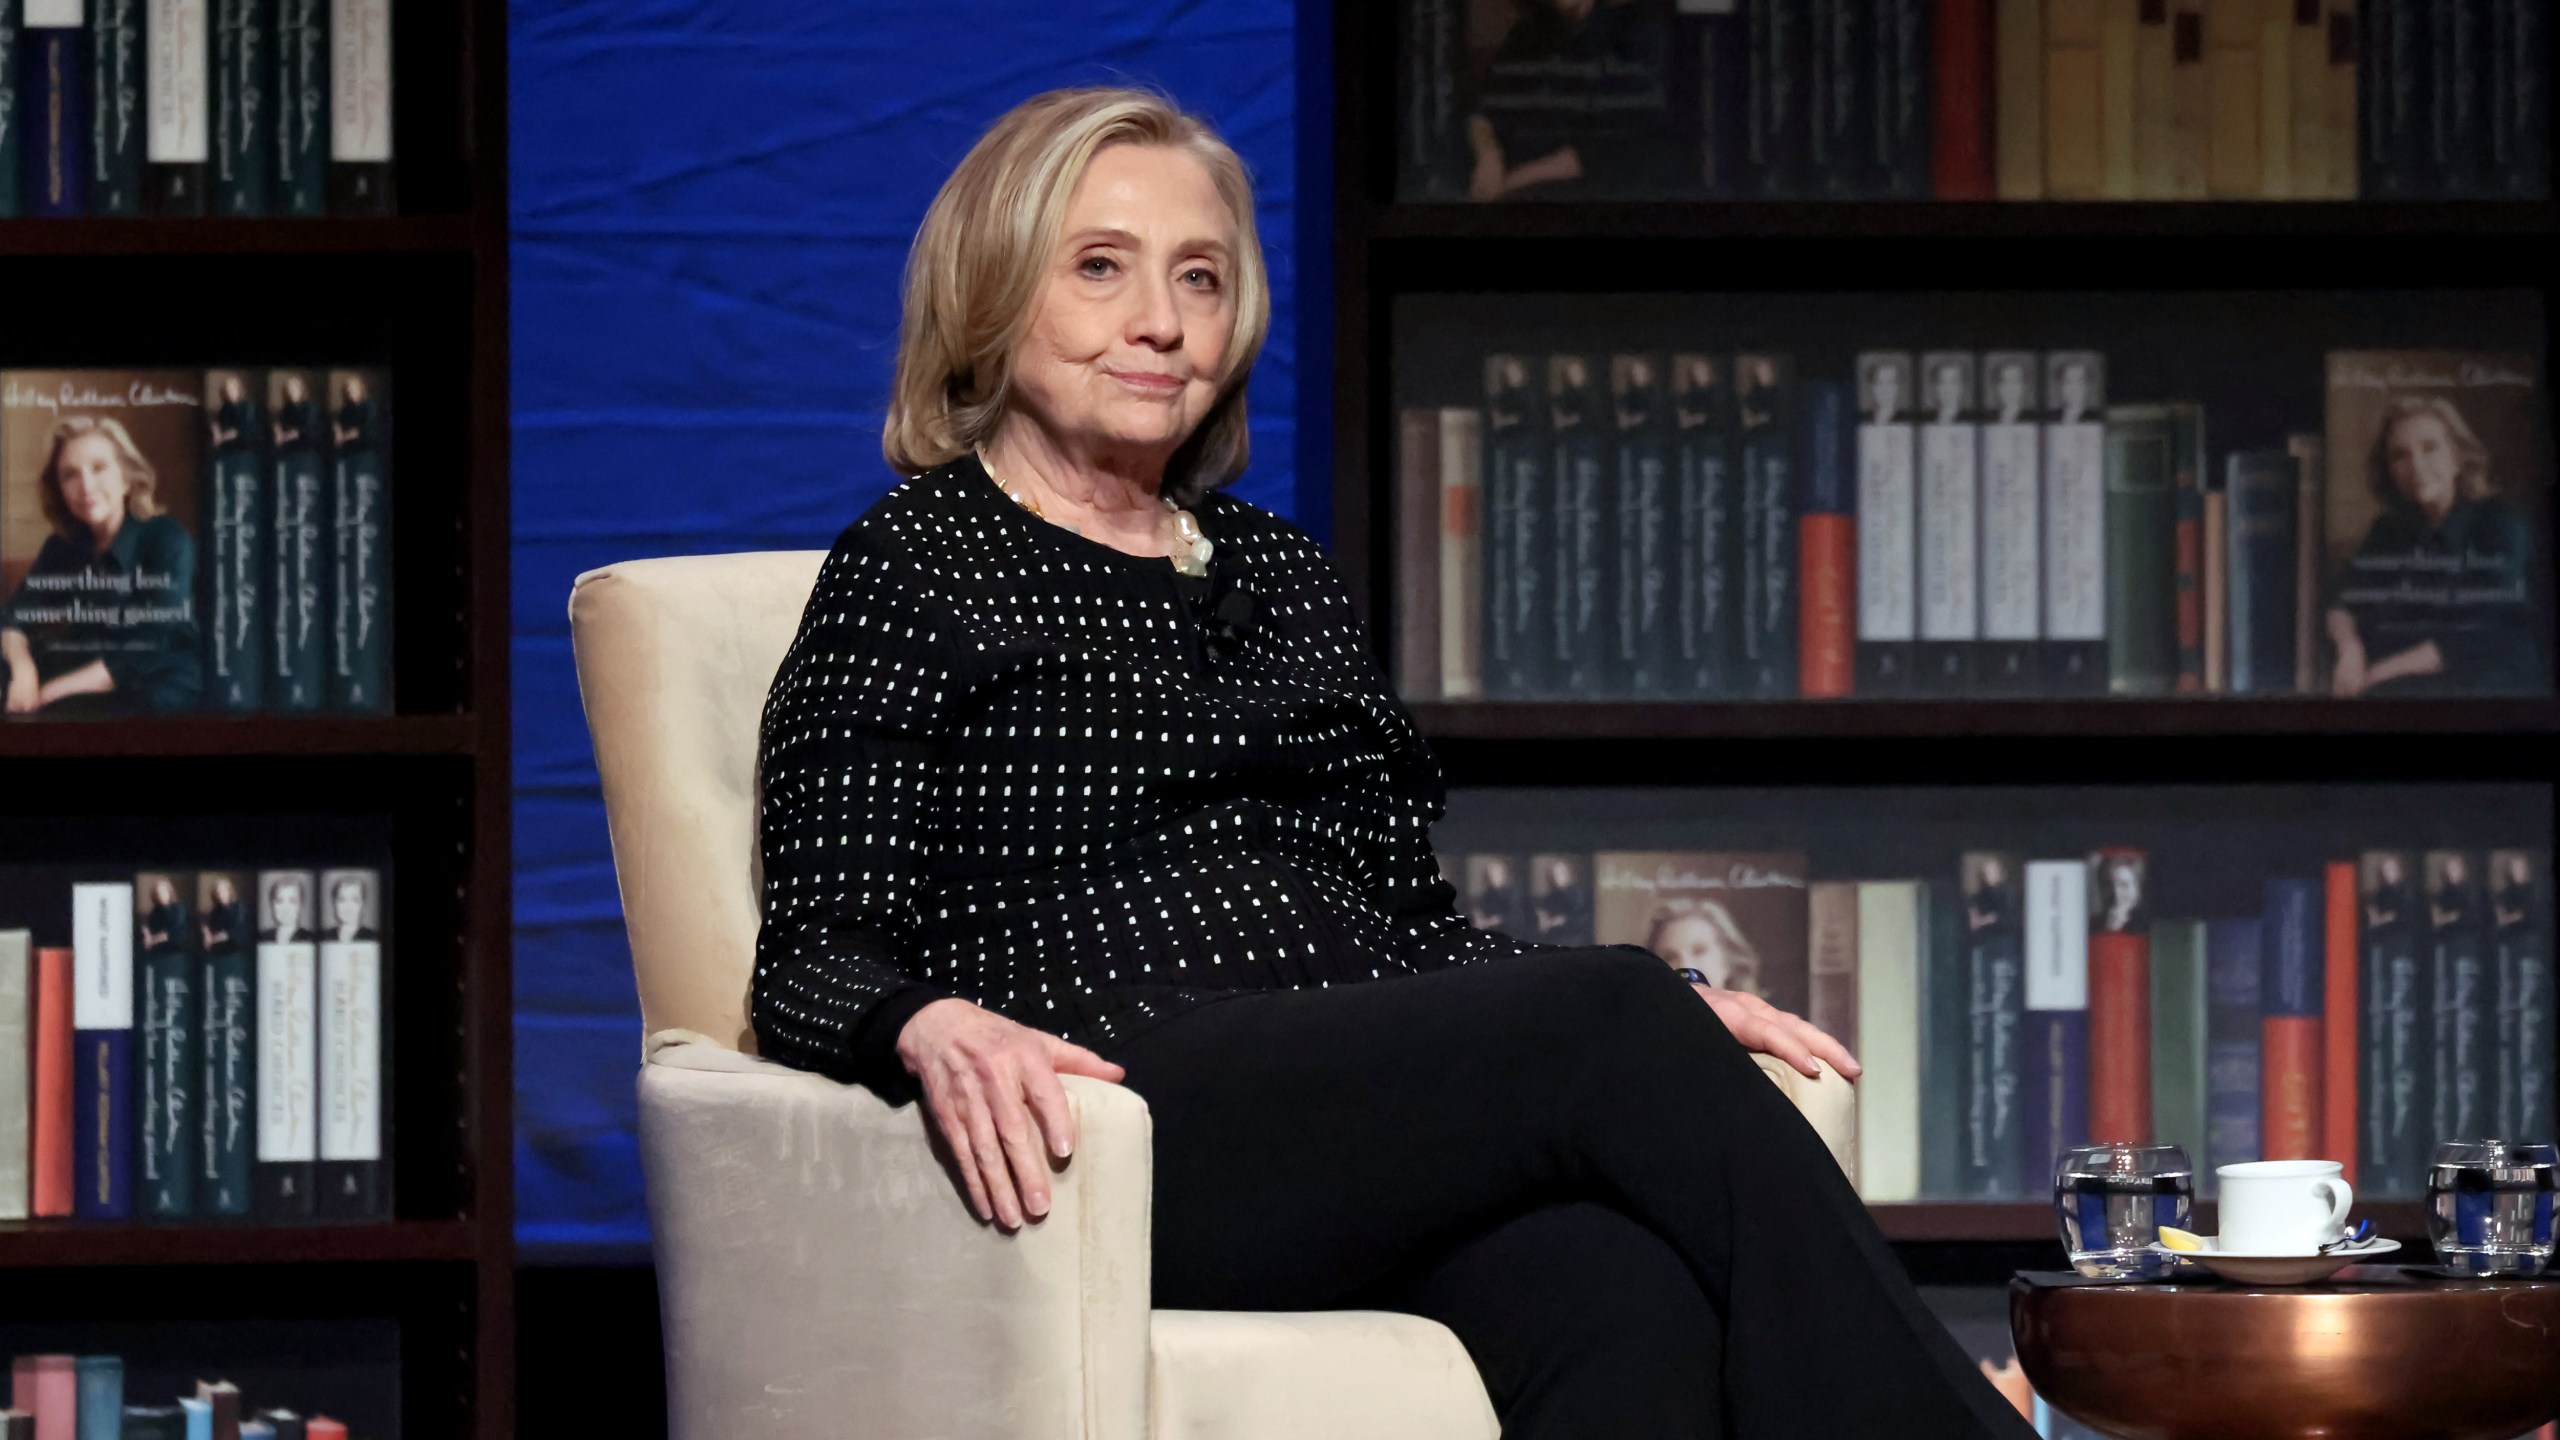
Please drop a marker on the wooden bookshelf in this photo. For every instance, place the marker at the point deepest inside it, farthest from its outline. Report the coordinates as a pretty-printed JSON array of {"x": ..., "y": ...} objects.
[
  {"x": 1380, "y": 253},
  {"x": 423, "y": 292}
]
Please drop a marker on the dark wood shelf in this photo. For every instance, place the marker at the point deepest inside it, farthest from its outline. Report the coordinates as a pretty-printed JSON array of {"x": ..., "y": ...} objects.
[
  {"x": 1993, "y": 720},
  {"x": 29, "y": 1243},
  {"x": 388, "y": 235},
  {"x": 1987, "y": 1220},
  {"x": 190, "y": 735},
  {"x": 1924, "y": 220}
]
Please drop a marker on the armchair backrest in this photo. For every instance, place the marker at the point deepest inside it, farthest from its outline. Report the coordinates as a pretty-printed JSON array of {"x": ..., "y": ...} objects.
[{"x": 674, "y": 659}]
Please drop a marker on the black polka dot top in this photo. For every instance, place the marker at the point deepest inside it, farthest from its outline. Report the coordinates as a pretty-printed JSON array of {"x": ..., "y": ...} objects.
[{"x": 1014, "y": 765}]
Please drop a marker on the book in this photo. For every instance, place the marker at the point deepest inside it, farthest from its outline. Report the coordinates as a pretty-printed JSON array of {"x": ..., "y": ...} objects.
[
  {"x": 2458, "y": 132},
  {"x": 2233, "y": 1037},
  {"x": 53, "y": 95},
  {"x": 2307, "y": 87},
  {"x": 244, "y": 89},
  {"x": 2343, "y": 92},
  {"x": 112, "y": 453},
  {"x": 2117, "y": 86},
  {"x": 2141, "y": 540},
  {"x": 2177, "y": 1035},
  {"x": 2188, "y": 462},
  {"x": 2054, "y": 1055},
  {"x": 1519, "y": 501},
  {"x": 2308, "y": 479},
  {"x": 1417, "y": 585},
  {"x": 1560, "y": 901},
  {"x": 2396, "y": 1069},
  {"x": 2075, "y": 529},
  {"x": 2341, "y": 1034},
  {"x": 1641, "y": 563},
  {"x": 2265, "y": 511},
  {"x": 1580, "y": 530},
  {"x": 102, "y": 1118},
  {"x": 17, "y": 997},
  {"x": 285, "y": 1423},
  {"x": 1831, "y": 960},
  {"x": 228, "y": 1114},
  {"x": 222, "y": 1399},
  {"x": 1892, "y": 929},
  {"x": 1962, "y": 44},
  {"x": 2154, "y": 128},
  {"x": 172, "y": 1006},
  {"x": 1950, "y": 524},
  {"x": 1946, "y": 1039},
  {"x": 288, "y": 1045},
  {"x": 1706, "y": 557},
  {"x": 322, "y": 1427},
  {"x": 2520, "y": 958},
  {"x": 1497, "y": 894},
  {"x": 2436, "y": 499},
  {"x": 2119, "y": 985},
  {"x": 100, "y": 1381},
  {"x": 1906, "y": 105},
  {"x": 2012, "y": 523},
  {"x": 2394, "y": 74},
  {"x": 12, "y": 127},
  {"x": 47, "y": 1387},
  {"x": 1887, "y": 524},
  {"x": 2274, "y": 20},
  {"x": 302, "y": 107},
  {"x": 2190, "y": 103},
  {"x": 2018, "y": 108},
  {"x": 115, "y": 107},
  {"x": 1826, "y": 564},
  {"x": 1992, "y": 934},
  {"x": 1852, "y": 55},
  {"x": 236, "y": 558},
  {"x": 2235, "y": 166},
  {"x": 1461, "y": 455},
  {"x": 155, "y": 1422},
  {"x": 2216, "y": 564},
  {"x": 1768, "y": 420},
  {"x": 177, "y": 135},
  {"x": 1779, "y": 110},
  {"x": 1740, "y": 918},
  {"x": 49, "y": 1127},
  {"x": 1547, "y": 108},
  {"x": 299, "y": 541},
  {"x": 352, "y": 996},
  {"x": 2460, "y": 1000},
  {"x": 2293, "y": 956},
  {"x": 2520, "y": 98},
  {"x": 1431, "y": 145},
  {"x": 2075, "y": 149}
]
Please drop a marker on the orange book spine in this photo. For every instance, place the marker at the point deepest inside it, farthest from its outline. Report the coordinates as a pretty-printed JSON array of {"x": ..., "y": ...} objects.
[
  {"x": 2338, "y": 1098},
  {"x": 2289, "y": 1084},
  {"x": 49, "y": 1133},
  {"x": 2120, "y": 1035},
  {"x": 1827, "y": 621}
]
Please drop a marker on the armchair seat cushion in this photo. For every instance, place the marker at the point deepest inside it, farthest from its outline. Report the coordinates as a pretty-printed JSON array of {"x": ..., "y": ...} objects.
[{"x": 1337, "y": 1375}]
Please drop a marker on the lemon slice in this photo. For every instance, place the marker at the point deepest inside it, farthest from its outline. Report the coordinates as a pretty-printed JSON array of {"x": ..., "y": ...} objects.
[{"x": 2177, "y": 1239}]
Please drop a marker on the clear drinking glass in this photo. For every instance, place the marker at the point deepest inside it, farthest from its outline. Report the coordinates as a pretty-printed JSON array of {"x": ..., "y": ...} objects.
[
  {"x": 2489, "y": 1206},
  {"x": 2112, "y": 1201}
]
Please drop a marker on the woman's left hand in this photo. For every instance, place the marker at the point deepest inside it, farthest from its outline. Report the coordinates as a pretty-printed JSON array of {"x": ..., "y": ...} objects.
[{"x": 1769, "y": 1030}]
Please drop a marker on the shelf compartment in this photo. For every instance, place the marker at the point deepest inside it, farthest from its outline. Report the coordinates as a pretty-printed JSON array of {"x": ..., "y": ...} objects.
[
  {"x": 47, "y": 1243},
  {"x": 222, "y": 735}
]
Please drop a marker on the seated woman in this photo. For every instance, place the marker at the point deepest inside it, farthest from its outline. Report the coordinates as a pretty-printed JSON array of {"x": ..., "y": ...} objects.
[{"x": 1078, "y": 766}]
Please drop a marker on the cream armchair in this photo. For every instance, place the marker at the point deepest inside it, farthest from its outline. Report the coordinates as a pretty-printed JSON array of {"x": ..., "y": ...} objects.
[{"x": 818, "y": 1273}]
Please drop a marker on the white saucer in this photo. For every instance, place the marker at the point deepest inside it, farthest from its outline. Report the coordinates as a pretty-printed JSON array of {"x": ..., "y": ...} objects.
[{"x": 2281, "y": 1269}]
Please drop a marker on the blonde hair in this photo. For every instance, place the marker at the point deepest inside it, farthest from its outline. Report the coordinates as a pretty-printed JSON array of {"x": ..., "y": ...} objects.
[
  {"x": 2471, "y": 481},
  {"x": 141, "y": 483},
  {"x": 982, "y": 254}
]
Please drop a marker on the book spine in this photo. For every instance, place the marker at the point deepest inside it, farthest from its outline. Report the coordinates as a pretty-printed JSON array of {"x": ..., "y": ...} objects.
[
  {"x": 1848, "y": 37},
  {"x": 244, "y": 76},
  {"x": 1723, "y": 60},
  {"x": 2233, "y": 1035},
  {"x": 2524, "y": 112},
  {"x": 2075, "y": 150},
  {"x": 362, "y": 167},
  {"x": 2457, "y": 129},
  {"x": 2141, "y": 526},
  {"x": 100, "y": 1383},
  {"x": 177, "y": 139},
  {"x": 1707, "y": 548},
  {"x": 1780, "y": 112},
  {"x": 2459, "y": 997},
  {"x": 302, "y": 107},
  {"x": 226, "y": 1143},
  {"x": 1771, "y": 454},
  {"x": 2190, "y": 103},
  {"x": 2118, "y": 86},
  {"x": 1461, "y": 554},
  {"x": 288, "y": 1067},
  {"x": 54, "y": 90},
  {"x": 2120, "y": 1023},
  {"x": 236, "y": 647},
  {"x": 2187, "y": 482},
  {"x": 1961, "y": 160},
  {"x": 2217, "y": 590},
  {"x": 298, "y": 541},
  {"x": 2397, "y": 1079},
  {"x": 2177, "y": 1035},
  {"x": 102, "y": 1115},
  {"x": 49, "y": 1128},
  {"x": 17, "y": 1069},
  {"x": 2054, "y": 1044},
  {"x": 1890, "y": 933},
  {"x": 13, "y": 165},
  {"x": 2075, "y": 528},
  {"x": 2274, "y": 19},
  {"x": 1945, "y": 1043},
  {"x": 2291, "y": 984},
  {"x": 351, "y": 1051},
  {"x": 1950, "y": 525},
  {"x": 1906, "y": 107},
  {"x": 1887, "y": 529},
  {"x": 1826, "y": 547},
  {"x": 2398, "y": 86},
  {"x": 1580, "y": 528},
  {"x": 2343, "y": 91},
  {"x": 2264, "y": 517},
  {"x": 1429, "y": 142},
  {"x": 2018, "y": 107},
  {"x": 2308, "y": 76},
  {"x": 1417, "y": 587},
  {"x": 2308, "y": 527},
  {"x": 2339, "y": 1041},
  {"x": 2521, "y": 924},
  {"x": 2235, "y": 157},
  {"x": 115, "y": 107},
  {"x": 1640, "y": 567},
  {"x": 1831, "y": 908},
  {"x": 172, "y": 1061},
  {"x": 1994, "y": 975},
  {"x": 2012, "y": 526},
  {"x": 1517, "y": 498},
  {"x": 2155, "y": 71}
]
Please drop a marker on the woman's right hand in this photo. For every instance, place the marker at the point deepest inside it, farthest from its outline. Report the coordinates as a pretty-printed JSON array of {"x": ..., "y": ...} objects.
[
  {"x": 26, "y": 695},
  {"x": 991, "y": 1088}
]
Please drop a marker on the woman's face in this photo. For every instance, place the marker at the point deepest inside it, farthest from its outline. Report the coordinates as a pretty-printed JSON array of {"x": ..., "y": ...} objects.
[
  {"x": 1884, "y": 392},
  {"x": 2121, "y": 886},
  {"x": 346, "y": 905},
  {"x": 163, "y": 893},
  {"x": 1948, "y": 384},
  {"x": 2424, "y": 462},
  {"x": 91, "y": 479},
  {"x": 1129, "y": 332},
  {"x": 1694, "y": 941},
  {"x": 225, "y": 893},
  {"x": 2075, "y": 388},
  {"x": 296, "y": 389},
  {"x": 2013, "y": 389},
  {"x": 285, "y": 904}
]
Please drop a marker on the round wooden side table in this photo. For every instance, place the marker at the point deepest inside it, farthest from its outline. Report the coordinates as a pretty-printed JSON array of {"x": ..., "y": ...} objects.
[{"x": 2378, "y": 1353}]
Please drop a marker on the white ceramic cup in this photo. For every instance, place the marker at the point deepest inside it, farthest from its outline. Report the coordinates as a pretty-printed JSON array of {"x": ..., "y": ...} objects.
[{"x": 2282, "y": 1207}]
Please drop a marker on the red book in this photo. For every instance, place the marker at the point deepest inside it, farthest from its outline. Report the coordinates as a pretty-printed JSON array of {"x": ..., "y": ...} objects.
[
  {"x": 324, "y": 1428},
  {"x": 1961, "y": 158},
  {"x": 49, "y": 1134},
  {"x": 48, "y": 1386},
  {"x": 1827, "y": 621},
  {"x": 2338, "y": 1099},
  {"x": 2292, "y": 1066},
  {"x": 2120, "y": 1035}
]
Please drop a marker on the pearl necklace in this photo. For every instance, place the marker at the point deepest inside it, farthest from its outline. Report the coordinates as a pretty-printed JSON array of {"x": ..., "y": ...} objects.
[{"x": 1192, "y": 549}]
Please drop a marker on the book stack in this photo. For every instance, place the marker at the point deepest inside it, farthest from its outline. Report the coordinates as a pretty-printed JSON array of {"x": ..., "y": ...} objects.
[
  {"x": 197, "y": 107},
  {"x": 208, "y": 1046},
  {"x": 2026, "y": 1005},
  {"x": 84, "y": 1396},
  {"x": 177, "y": 540},
  {"x": 1975, "y": 100},
  {"x": 1966, "y": 524}
]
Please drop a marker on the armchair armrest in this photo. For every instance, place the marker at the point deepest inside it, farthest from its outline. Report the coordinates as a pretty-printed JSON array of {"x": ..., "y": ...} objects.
[
  {"x": 1830, "y": 1106},
  {"x": 819, "y": 1274}
]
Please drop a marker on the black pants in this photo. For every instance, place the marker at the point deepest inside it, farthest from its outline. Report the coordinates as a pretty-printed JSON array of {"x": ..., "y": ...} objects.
[{"x": 1568, "y": 1161}]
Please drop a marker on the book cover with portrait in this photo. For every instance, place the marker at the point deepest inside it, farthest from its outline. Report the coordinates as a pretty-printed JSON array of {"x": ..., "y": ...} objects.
[
  {"x": 1496, "y": 894},
  {"x": 2438, "y": 501},
  {"x": 99, "y": 473},
  {"x": 1560, "y": 899},
  {"x": 1739, "y": 917},
  {"x": 1544, "y": 100}
]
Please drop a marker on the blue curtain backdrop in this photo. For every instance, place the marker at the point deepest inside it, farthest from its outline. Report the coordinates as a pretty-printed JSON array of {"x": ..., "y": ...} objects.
[{"x": 712, "y": 199}]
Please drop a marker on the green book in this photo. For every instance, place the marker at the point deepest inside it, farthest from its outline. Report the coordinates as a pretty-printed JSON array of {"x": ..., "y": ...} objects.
[
  {"x": 2142, "y": 555},
  {"x": 1946, "y": 1006},
  {"x": 2177, "y": 1035}
]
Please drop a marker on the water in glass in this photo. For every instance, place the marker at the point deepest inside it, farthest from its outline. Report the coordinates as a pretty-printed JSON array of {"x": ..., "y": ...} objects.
[
  {"x": 2112, "y": 1201},
  {"x": 2489, "y": 1207}
]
